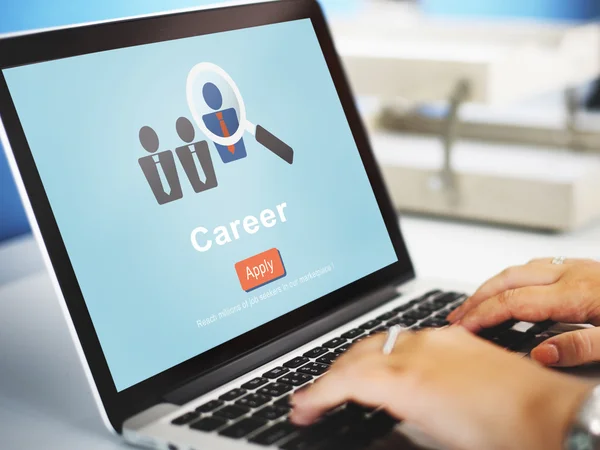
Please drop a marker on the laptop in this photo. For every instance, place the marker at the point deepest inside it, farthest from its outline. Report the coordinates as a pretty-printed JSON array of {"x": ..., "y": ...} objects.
[{"x": 213, "y": 220}]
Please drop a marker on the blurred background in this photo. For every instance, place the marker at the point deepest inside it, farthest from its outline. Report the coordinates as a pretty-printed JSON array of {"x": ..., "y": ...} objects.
[{"x": 478, "y": 111}]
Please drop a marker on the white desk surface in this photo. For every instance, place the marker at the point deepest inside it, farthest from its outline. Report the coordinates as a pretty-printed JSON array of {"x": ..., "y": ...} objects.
[{"x": 44, "y": 399}]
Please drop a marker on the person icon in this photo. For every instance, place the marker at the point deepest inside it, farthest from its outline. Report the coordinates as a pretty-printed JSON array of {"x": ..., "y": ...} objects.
[
  {"x": 186, "y": 153},
  {"x": 222, "y": 123},
  {"x": 159, "y": 168}
]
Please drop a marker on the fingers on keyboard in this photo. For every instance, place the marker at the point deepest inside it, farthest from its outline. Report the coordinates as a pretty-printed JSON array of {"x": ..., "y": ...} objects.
[{"x": 258, "y": 409}]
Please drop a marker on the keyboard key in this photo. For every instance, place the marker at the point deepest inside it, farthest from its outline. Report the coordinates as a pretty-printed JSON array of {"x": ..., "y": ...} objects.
[
  {"x": 395, "y": 321},
  {"x": 296, "y": 362},
  {"x": 272, "y": 412},
  {"x": 458, "y": 303},
  {"x": 451, "y": 308},
  {"x": 429, "y": 294},
  {"x": 539, "y": 328},
  {"x": 284, "y": 401},
  {"x": 275, "y": 433},
  {"x": 336, "y": 342},
  {"x": 329, "y": 358},
  {"x": 253, "y": 400},
  {"x": 186, "y": 418},
  {"x": 403, "y": 307},
  {"x": 417, "y": 314},
  {"x": 512, "y": 339},
  {"x": 351, "y": 428},
  {"x": 360, "y": 408},
  {"x": 232, "y": 395},
  {"x": 275, "y": 389},
  {"x": 370, "y": 324},
  {"x": 441, "y": 315},
  {"x": 210, "y": 406},
  {"x": 314, "y": 368},
  {"x": 340, "y": 350},
  {"x": 387, "y": 316},
  {"x": 323, "y": 434},
  {"x": 435, "y": 323},
  {"x": 438, "y": 305},
  {"x": 407, "y": 321},
  {"x": 357, "y": 435},
  {"x": 300, "y": 443},
  {"x": 276, "y": 372},
  {"x": 445, "y": 299},
  {"x": 381, "y": 423},
  {"x": 428, "y": 308},
  {"x": 317, "y": 436},
  {"x": 402, "y": 321},
  {"x": 491, "y": 333},
  {"x": 232, "y": 412},
  {"x": 457, "y": 296},
  {"x": 295, "y": 378},
  {"x": 353, "y": 438},
  {"x": 255, "y": 383},
  {"x": 316, "y": 352},
  {"x": 523, "y": 327},
  {"x": 378, "y": 330},
  {"x": 344, "y": 416},
  {"x": 243, "y": 428},
  {"x": 352, "y": 333},
  {"x": 208, "y": 424}
]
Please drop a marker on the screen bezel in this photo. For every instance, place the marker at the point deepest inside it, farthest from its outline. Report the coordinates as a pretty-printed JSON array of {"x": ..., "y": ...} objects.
[{"x": 63, "y": 43}]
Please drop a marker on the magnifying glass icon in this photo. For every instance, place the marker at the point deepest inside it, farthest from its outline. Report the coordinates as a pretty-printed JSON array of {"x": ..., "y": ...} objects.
[{"x": 209, "y": 72}]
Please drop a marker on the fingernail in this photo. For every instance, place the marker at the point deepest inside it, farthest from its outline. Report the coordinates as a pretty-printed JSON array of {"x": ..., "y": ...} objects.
[
  {"x": 546, "y": 354},
  {"x": 456, "y": 324}
]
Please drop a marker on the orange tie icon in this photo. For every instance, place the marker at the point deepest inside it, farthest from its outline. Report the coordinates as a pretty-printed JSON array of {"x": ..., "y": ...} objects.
[{"x": 225, "y": 131}]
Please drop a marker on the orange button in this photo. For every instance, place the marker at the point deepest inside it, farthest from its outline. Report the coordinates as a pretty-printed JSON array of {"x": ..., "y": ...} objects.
[{"x": 260, "y": 269}]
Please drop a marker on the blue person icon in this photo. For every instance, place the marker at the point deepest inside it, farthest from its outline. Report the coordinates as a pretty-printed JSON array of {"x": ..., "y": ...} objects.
[{"x": 222, "y": 123}]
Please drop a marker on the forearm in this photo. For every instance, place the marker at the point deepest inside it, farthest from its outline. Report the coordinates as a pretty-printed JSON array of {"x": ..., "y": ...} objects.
[{"x": 551, "y": 409}]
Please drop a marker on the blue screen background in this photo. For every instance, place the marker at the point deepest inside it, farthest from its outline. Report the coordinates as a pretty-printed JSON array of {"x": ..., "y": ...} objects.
[
  {"x": 33, "y": 14},
  {"x": 144, "y": 284}
]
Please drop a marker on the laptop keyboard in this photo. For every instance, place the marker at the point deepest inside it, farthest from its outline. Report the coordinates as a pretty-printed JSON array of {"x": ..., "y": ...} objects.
[{"x": 258, "y": 410}]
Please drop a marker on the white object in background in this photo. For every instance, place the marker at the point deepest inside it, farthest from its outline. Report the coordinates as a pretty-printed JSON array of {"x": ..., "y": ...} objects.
[
  {"x": 506, "y": 184},
  {"x": 391, "y": 51}
]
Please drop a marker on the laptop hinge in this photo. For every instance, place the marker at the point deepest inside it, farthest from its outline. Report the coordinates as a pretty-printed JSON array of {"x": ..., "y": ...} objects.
[{"x": 252, "y": 360}]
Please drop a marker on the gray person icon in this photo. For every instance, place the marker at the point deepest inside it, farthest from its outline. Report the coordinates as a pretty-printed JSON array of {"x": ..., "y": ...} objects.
[
  {"x": 200, "y": 150},
  {"x": 159, "y": 168}
]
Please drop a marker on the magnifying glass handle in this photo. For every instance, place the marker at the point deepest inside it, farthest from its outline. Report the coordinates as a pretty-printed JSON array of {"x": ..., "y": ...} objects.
[{"x": 275, "y": 144}]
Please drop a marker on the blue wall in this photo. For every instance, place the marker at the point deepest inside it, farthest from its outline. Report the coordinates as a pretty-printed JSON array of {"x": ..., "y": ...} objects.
[
  {"x": 545, "y": 9},
  {"x": 30, "y": 14}
]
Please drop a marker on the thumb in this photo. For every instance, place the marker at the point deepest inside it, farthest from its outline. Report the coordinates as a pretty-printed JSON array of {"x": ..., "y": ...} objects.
[{"x": 569, "y": 349}]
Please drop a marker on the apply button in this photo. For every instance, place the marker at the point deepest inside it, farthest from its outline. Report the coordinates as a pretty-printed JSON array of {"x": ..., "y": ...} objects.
[{"x": 260, "y": 269}]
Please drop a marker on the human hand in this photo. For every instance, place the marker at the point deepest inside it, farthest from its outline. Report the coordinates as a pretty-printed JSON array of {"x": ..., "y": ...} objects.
[
  {"x": 540, "y": 291},
  {"x": 463, "y": 391}
]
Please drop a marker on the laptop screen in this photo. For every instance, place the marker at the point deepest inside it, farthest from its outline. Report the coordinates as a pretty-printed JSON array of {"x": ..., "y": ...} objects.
[{"x": 202, "y": 186}]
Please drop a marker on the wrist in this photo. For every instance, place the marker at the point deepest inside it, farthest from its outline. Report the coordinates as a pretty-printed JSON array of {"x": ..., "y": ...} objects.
[{"x": 554, "y": 408}]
